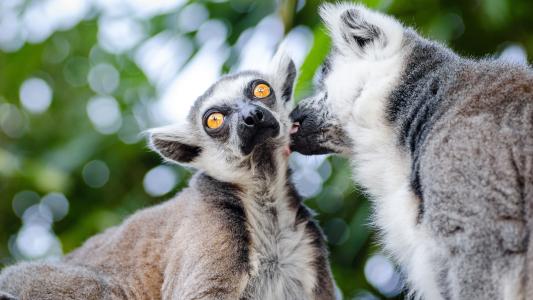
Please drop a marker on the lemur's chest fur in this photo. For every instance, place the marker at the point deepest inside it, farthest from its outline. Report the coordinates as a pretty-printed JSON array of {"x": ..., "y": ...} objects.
[
  {"x": 279, "y": 244},
  {"x": 282, "y": 249}
]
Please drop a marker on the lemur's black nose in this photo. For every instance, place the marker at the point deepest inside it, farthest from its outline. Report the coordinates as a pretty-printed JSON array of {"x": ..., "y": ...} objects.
[
  {"x": 257, "y": 124},
  {"x": 253, "y": 117}
]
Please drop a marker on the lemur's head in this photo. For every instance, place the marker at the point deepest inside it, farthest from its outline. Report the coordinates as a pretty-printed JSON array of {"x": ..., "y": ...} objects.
[
  {"x": 366, "y": 55},
  {"x": 240, "y": 122}
]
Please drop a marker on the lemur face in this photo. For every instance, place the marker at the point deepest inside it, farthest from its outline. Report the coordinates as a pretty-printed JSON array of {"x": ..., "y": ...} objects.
[
  {"x": 232, "y": 125},
  {"x": 353, "y": 80},
  {"x": 240, "y": 112}
]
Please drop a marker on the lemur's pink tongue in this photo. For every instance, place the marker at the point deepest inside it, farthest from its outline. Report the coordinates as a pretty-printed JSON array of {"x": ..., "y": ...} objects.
[
  {"x": 287, "y": 151},
  {"x": 295, "y": 127}
]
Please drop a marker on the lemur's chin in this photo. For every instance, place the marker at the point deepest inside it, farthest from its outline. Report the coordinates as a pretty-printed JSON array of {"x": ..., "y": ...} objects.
[{"x": 259, "y": 138}]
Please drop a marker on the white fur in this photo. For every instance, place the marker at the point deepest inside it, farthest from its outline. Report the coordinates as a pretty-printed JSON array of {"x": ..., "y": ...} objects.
[
  {"x": 512, "y": 283},
  {"x": 291, "y": 247},
  {"x": 357, "y": 87}
]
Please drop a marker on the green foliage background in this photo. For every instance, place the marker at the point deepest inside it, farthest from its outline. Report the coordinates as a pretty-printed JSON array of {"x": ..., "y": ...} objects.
[{"x": 55, "y": 146}]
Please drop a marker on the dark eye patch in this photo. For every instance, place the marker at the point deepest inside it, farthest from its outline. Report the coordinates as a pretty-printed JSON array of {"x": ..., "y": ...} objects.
[
  {"x": 249, "y": 92},
  {"x": 221, "y": 132}
]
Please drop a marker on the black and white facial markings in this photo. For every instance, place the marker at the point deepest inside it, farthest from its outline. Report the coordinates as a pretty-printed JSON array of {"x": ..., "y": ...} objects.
[{"x": 228, "y": 123}]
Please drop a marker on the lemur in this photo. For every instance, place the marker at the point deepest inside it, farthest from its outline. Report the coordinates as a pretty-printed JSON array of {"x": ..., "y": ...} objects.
[
  {"x": 442, "y": 144},
  {"x": 239, "y": 231}
]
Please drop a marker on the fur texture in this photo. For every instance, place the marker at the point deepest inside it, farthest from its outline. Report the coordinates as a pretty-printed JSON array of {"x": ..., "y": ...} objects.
[
  {"x": 442, "y": 144},
  {"x": 239, "y": 231}
]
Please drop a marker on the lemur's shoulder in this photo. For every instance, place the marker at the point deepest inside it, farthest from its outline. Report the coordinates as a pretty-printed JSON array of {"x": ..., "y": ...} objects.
[
  {"x": 203, "y": 202},
  {"x": 492, "y": 85},
  {"x": 202, "y": 218},
  {"x": 138, "y": 243}
]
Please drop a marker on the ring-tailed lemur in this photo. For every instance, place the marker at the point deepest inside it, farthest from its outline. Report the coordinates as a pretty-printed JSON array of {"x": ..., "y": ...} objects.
[
  {"x": 240, "y": 231},
  {"x": 444, "y": 146}
]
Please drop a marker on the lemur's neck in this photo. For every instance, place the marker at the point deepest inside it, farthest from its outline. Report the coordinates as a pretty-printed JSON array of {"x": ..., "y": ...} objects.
[
  {"x": 419, "y": 99},
  {"x": 268, "y": 199},
  {"x": 269, "y": 176},
  {"x": 262, "y": 179}
]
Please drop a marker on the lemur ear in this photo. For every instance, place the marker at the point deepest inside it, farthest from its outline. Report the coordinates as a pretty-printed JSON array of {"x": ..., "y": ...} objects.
[
  {"x": 284, "y": 70},
  {"x": 174, "y": 143},
  {"x": 356, "y": 29}
]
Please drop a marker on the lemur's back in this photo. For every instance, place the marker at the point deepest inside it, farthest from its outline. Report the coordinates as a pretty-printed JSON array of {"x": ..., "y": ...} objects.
[
  {"x": 112, "y": 264},
  {"x": 477, "y": 174},
  {"x": 202, "y": 240},
  {"x": 135, "y": 252}
]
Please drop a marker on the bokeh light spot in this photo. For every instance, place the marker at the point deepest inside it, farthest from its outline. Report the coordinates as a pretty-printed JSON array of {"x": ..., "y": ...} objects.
[
  {"x": 38, "y": 216},
  {"x": 306, "y": 177},
  {"x": 11, "y": 36},
  {"x": 117, "y": 35},
  {"x": 57, "y": 204},
  {"x": 330, "y": 200},
  {"x": 214, "y": 31},
  {"x": 75, "y": 71},
  {"x": 95, "y": 173},
  {"x": 12, "y": 121},
  {"x": 337, "y": 231},
  {"x": 514, "y": 53},
  {"x": 103, "y": 79},
  {"x": 160, "y": 180},
  {"x": 57, "y": 50},
  {"x": 380, "y": 273},
  {"x": 35, "y": 95},
  {"x": 365, "y": 295},
  {"x": 192, "y": 16},
  {"x": 129, "y": 133},
  {"x": 22, "y": 200},
  {"x": 104, "y": 114},
  {"x": 35, "y": 241}
]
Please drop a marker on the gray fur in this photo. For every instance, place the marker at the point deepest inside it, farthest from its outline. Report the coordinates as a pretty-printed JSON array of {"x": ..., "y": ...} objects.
[
  {"x": 466, "y": 127},
  {"x": 239, "y": 231},
  {"x": 476, "y": 177}
]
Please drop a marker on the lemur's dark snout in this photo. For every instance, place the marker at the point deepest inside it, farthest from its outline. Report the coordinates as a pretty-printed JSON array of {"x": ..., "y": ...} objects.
[
  {"x": 254, "y": 117},
  {"x": 307, "y": 135},
  {"x": 256, "y": 125}
]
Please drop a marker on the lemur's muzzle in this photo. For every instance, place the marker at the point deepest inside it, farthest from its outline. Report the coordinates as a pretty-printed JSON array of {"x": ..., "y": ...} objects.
[
  {"x": 307, "y": 134},
  {"x": 316, "y": 131},
  {"x": 256, "y": 125}
]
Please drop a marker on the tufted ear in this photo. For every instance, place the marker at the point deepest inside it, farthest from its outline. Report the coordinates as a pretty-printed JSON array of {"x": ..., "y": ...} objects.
[
  {"x": 356, "y": 29},
  {"x": 284, "y": 69},
  {"x": 175, "y": 143}
]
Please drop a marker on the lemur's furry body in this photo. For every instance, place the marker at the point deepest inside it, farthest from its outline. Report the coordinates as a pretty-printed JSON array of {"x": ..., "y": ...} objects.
[
  {"x": 239, "y": 231},
  {"x": 442, "y": 144}
]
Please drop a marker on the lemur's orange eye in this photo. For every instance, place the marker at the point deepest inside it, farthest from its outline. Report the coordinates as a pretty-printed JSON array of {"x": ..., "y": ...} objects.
[
  {"x": 215, "y": 120},
  {"x": 261, "y": 91}
]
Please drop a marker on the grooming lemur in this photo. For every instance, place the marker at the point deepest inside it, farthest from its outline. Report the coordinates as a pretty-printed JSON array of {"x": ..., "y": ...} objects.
[
  {"x": 442, "y": 144},
  {"x": 239, "y": 231}
]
